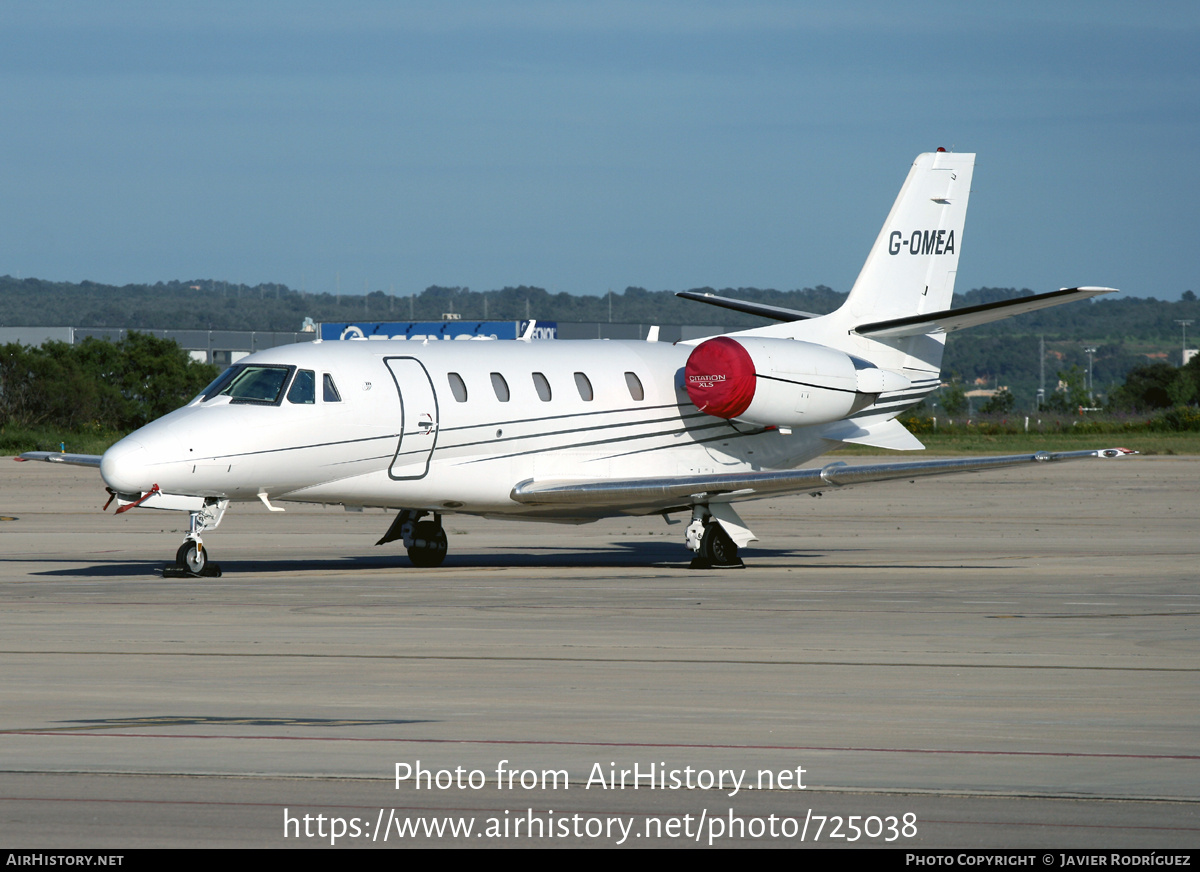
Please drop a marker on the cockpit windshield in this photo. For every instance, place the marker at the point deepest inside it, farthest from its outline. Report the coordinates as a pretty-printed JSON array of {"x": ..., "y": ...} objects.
[{"x": 251, "y": 384}]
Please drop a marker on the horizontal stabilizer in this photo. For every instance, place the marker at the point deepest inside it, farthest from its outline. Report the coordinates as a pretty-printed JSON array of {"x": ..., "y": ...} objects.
[
  {"x": 949, "y": 320},
  {"x": 58, "y": 457},
  {"x": 693, "y": 489},
  {"x": 777, "y": 313}
]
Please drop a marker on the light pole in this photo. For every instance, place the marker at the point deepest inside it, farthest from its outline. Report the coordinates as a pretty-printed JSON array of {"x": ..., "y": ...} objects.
[
  {"x": 1183, "y": 323},
  {"x": 1090, "y": 350}
]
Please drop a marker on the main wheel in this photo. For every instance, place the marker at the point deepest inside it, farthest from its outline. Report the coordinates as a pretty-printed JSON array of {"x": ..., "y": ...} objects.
[
  {"x": 717, "y": 547},
  {"x": 429, "y": 544},
  {"x": 191, "y": 556}
]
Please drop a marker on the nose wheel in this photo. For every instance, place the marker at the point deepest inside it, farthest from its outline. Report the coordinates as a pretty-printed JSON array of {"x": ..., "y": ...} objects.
[
  {"x": 192, "y": 556},
  {"x": 191, "y": 561}
]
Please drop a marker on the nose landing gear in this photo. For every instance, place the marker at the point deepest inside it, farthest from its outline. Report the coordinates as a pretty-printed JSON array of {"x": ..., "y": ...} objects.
[{"x": 191, "y": 560}]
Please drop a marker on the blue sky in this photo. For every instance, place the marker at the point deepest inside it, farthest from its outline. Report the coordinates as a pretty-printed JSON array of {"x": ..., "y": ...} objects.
[{"x": 588, "y": 146}]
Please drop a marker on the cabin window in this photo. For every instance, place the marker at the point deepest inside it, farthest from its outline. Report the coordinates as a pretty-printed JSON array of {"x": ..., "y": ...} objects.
[
  {"x": 584, "y": 386},
  {"x": 458, "y": 387},
  {"x": 260, "y": 385},
  {"x": 304, "y": 388},
  {"x": 635, "y": 386},
  {"x": 542, "y": 386},
  {"x": 500, "y": 386},
  {"x": 329, "y": 391}
]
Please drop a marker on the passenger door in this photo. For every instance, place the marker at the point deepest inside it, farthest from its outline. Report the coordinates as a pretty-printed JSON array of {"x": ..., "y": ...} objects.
[{"x": 418, "y": 418}]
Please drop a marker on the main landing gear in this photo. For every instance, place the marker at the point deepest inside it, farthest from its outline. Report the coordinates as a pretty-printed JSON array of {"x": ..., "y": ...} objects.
[
  {"x": 425, "y": 540},
  {"x": 714, "y": 548},
  {"x": 191, "y": 560}
]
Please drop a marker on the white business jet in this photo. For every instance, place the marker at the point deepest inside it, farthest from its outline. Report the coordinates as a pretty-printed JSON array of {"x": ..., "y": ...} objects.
[{"x": 573, "y": 431}]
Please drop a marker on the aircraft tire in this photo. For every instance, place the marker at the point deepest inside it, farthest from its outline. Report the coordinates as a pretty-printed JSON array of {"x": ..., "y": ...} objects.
[
  {"x": 430, "y": 545},
  {"x": 717, "y": 548},
  {"x": 191, "y": 556}
]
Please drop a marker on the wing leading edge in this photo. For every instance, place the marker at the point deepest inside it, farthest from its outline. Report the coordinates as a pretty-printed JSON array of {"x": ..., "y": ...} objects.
[
  {"x": 59, "y": 457},
  {"x": 645, "y": 492}
]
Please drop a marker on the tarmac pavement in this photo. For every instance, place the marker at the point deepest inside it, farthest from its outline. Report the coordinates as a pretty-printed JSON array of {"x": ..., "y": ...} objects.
[{"x": 1008, "y": 658}]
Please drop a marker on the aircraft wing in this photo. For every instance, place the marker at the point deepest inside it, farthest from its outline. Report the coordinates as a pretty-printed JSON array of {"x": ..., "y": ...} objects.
[
  {"x": 690, "y": 489},
  {"x": 949, "y": 320},
  {"x": 58, "y": 457}
]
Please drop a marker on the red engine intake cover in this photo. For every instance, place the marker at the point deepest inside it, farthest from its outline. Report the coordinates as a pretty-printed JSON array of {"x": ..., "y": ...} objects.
[{"x": 720, "y": 377}]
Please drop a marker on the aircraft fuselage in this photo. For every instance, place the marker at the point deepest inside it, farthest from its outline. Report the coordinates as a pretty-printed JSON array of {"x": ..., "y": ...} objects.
[{"x": 446, "y": 427}]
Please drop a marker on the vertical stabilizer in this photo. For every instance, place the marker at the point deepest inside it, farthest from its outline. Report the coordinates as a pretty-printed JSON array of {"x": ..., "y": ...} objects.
[
  {"x": 909, "y": 271},
  {"x": 912, "y": 265}
]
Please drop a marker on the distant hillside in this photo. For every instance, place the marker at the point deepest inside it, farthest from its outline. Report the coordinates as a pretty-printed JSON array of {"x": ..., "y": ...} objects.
[
  {"x": 207, "y": 304},
  {"x": 1125, "y": 330}
]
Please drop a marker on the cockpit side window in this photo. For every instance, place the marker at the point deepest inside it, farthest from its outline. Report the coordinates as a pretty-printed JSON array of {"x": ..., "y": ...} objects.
[
  {"x": 245, "y": 383},
  {"x": 329, "y": 392},
  {"x": 304, "y": 388},
  {"x": 219, "y": 383}
]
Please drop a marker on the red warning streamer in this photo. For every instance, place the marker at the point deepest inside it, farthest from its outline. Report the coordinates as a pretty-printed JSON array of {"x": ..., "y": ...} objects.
[{"x": 134, "y": 505}]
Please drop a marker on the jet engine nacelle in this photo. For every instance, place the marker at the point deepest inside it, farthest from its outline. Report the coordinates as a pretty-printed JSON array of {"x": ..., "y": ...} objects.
[{"x": 782, "y": 382}]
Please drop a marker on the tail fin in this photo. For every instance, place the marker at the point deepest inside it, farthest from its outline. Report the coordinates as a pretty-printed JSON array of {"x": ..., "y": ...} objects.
[
  {"x": 909, "y": 271},
  {"x": 911, "y": 267}
]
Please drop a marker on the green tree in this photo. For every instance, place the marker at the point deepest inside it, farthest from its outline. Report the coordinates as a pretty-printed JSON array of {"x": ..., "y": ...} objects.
[
  {"x": 155, "y": 375},
  {"x": 47, "y": 385},
  {"x": 1000, "y": 403},
  {"x": 1157, "y": 386},
  {"x": 1071, "y": 393},
  {"x": 97, "y": 384},
  {"x": 953, "y": 397},
  {"x": 1189, "y": 382}
]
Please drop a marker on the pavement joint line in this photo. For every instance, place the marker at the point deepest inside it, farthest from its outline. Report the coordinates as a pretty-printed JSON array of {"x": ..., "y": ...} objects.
[
  {"x": 634, "y": 660},
  {"x": 96, "y": 732}
]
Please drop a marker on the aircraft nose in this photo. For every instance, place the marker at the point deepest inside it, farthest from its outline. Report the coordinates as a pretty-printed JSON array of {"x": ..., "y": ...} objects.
[{"x": 124, "y": 467}]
